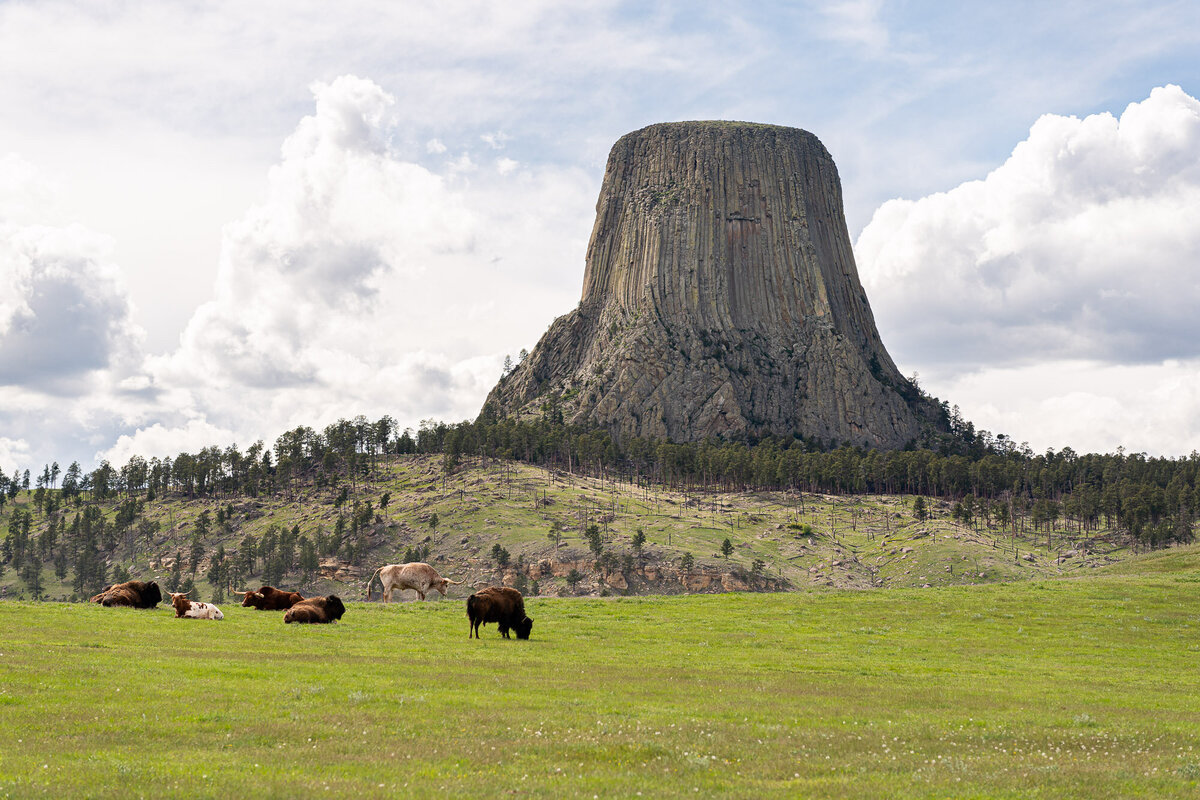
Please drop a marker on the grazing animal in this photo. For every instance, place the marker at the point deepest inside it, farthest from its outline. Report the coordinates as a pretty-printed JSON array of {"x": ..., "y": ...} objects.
[
  {"x": 316, "y": 609},
  {"x": 268, "y": 598},
  {"x": 501, "y": 605},
  {"x": 193, "y": 609},
  {"x": 416, "y": 575},
  {"x": 138, "y": 594}
]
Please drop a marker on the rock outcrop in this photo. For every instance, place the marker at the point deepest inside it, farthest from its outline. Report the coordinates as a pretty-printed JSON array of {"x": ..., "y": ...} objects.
[{"x": 720, "y": 298}]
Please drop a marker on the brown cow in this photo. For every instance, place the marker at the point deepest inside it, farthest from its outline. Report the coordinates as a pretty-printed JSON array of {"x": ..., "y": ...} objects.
[
  {"x": 193, "y": 609},
  {"x": 501, "y": 605},
  {"x": 316, "y": 609},
  {"x": 416, "y": 575},
  {"x": 131, "y": 593},
  {"x": 268, "y": 598}
]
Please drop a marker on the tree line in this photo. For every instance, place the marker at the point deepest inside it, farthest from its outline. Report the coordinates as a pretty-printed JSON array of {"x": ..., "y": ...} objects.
[{"x": 1154, "y": 500}]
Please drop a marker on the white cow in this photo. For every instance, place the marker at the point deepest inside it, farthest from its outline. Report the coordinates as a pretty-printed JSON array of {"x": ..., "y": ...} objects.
[
  {"x": 193, "y": 609},
  {"x": 417, "y": 575}
]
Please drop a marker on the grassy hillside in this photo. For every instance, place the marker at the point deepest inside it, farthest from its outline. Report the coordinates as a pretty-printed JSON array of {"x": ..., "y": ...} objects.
[
  {"x": 1043, "y": 688},
  {"x": 779, "y": 541}
]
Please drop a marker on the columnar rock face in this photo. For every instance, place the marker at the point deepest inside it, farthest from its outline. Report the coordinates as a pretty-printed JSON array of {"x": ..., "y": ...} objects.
[{"x": 720, "y": 298}]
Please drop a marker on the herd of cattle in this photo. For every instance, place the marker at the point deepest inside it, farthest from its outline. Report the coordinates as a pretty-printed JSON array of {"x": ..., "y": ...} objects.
[{"x": 498, "y": 604}]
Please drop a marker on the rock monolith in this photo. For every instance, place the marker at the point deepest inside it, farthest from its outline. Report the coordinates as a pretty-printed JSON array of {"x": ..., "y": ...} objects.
[{"x": 720, "y": 299}]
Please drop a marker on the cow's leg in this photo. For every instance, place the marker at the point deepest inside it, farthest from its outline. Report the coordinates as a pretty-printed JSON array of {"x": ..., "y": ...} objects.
[
  {"x": 420, "y": 594},
  {"x": 387, "y": 592}
]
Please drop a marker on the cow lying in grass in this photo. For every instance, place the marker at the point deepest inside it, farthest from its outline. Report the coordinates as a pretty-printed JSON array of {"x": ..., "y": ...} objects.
[
  {"x": 316, "y": 609},
  {"x": 501, "y": 605},
  {"x": 268, "y": 598},
  {"x": 131, "y": 593},
  {"x": 416, "y": 575},
  {"x": 193, "y": 609}
]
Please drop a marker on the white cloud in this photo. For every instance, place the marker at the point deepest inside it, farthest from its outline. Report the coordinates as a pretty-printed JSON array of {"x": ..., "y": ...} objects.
[
  {"x": 463, "y": 164},
  {"x": 12, "y": 453},
  {"x": 1089, "y": 406},
  {"x": 361, "y": 283},
  {"x": 435, "y": 146},
  {"x": 160, "y": 441},
  {"x": 1055, "y": 300},
  {"x": 1083, "y": 244},
  {"x": 301, "y": 275},
  {"x": 64, "y": 309},
  {"x": 357, "y": 285},
  {"x": 854, "y": 22},
  {"x": 505, "y": 166},
  {"x": 496, "y": 140}
]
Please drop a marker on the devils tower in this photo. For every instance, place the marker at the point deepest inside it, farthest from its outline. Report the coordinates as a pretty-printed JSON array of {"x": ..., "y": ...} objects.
[{"x": 720, "y": 298}]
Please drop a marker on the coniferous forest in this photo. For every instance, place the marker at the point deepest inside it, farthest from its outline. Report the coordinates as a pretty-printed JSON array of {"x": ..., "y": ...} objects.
[{"x": 1153, "y": 501}]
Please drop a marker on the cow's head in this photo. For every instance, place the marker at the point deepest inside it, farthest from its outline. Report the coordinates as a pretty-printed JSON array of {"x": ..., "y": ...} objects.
[
  {"x": 523, "y": 628},
  {"x": 442, "y": 583},
  {"x": 180, "y": 600},
  {"x": 251, "y": 599}
]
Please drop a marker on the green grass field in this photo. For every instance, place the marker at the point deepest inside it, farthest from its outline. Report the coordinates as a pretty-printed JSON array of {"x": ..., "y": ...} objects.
[{"x": 1066, "y": 688}]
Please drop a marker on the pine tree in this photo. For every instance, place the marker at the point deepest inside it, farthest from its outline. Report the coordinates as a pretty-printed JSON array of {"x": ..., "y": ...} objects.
[
  {"x": 920, "y": 512},
  {"x": 31, "y": 574},
  {"x": 216, "y": 574},
  {"x": 176, "y": 577},
  {"x": 573, "y": 578}
]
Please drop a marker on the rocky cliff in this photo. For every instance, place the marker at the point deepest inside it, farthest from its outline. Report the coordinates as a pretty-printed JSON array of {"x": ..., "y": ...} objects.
[{"x": 720, "y": 298}]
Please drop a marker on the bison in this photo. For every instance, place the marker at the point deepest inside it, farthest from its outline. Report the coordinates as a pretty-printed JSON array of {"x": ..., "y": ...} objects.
[
  {"x": 316, "y": 609},
  {"x": 193, "y": 609},
  {"x": 417, "y": 575},
  {"x": 501, "y": 605},
  {"x": 268, "y": 598},
  {"x": 138, "y": 594}
]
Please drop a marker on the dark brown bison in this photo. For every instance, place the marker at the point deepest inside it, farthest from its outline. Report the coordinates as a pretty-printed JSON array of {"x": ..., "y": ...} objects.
[
  {"x": 316, "y": 609},
  {"x": 268, "y": 598},
  {"x": 501, "y": 605},
  {"x": 138, "y": 594}
]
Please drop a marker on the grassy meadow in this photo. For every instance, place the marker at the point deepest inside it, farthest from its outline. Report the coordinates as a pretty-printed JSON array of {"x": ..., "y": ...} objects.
[{"x": 1041, "y": 688}]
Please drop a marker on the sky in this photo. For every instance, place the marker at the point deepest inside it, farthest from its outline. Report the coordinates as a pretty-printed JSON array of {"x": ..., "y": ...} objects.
[{"x": 222, "y": 220}]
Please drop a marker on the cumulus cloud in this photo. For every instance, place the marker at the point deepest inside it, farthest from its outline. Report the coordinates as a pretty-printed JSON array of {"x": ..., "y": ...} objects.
[
  {"x": 12, "y": 453},
  {"x": 1055, "y": 299},
  {"x": 301, "y": 275},
  {"x": 1082, "y": 245},
  {"x": 161, "y": 441},
  {"x": 361, "y": 283},
  {"x": 1089, "y": 406},
  {"x": 64, "y": 309},
  {"x": 364, "y": 283}
]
